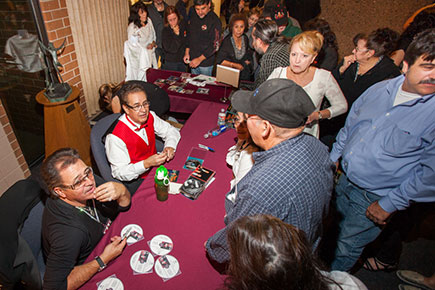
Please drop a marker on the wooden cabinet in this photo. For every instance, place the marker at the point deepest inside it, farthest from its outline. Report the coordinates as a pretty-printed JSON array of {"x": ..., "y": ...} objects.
[{"x": 65, "y": 125}]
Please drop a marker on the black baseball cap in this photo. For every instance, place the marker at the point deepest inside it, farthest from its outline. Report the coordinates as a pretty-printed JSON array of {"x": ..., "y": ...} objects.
[{"x": 280, "y": 101}]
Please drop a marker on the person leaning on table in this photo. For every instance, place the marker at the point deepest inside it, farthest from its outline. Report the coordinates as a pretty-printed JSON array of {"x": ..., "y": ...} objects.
[
  {"x": 292, "y": 178},
  {"x": 77, "y": 214},
  {"x": 130, "y": 142}
]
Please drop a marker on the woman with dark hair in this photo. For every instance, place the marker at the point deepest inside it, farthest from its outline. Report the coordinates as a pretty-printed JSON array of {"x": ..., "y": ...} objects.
[
  {"x": 232, "y": 7},
  {"x": 268, "y": 254},
  {"x": 368, "y": 64},
  {"x": 109, "y": 100},
  {"x": 328, "y": 55},
  {"x": 235, "y": 51},
  {"x": 139, "y": 49},
  {"x": 174, "y": 40}
]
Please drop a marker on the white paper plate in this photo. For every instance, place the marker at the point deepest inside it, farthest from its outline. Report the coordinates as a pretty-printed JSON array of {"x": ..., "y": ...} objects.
[
  {"x": 130, "y": 228},
  {"x": 161, "y": 245},
  {"x": 111, "y": 283},
  {"x": 140, "y": 266},
  {"x": 166, "y": 271}
]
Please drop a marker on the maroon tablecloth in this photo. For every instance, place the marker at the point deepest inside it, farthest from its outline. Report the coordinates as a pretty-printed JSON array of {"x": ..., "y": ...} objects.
[
  {"x": 188, "y": 223},
  {"x": 187, "y": 103}
]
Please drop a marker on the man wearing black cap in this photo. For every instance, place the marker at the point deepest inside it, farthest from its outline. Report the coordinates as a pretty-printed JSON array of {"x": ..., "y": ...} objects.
[{"x": 292, "y": 178}]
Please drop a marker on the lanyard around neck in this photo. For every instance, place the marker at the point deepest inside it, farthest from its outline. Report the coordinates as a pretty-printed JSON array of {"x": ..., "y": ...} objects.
[{"x": 96, "y": 217}]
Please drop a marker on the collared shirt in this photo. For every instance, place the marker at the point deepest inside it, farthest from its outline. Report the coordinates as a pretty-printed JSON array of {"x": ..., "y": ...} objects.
[
  {"x": 117, "y": 153},
  {"x": 390, "y": 150},
  {"x": 277, "y": 55},
  {"x": 291, "y": 181},
  {"x": 69, "y": 236}
]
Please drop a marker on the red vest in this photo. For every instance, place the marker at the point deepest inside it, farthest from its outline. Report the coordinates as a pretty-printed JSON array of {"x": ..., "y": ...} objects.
[{"x": 138, "y": 149}]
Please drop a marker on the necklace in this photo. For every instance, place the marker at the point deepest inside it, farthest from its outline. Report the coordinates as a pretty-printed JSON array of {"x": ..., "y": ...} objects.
[
  {"x": 357, "y": 68},
  {"x": 239, "y": 53}
]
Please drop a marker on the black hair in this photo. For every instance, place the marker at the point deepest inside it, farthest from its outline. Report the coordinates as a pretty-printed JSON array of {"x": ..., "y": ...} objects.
[
  {"x": 322, "y": 26},
  {"x": 422, "y": 45},
  {"x": 267, "y": 253},
  {"x": 53, "y": 164},
  {"x": 127, "y": 89},
  {"x": 237, "y": 17},
  {"x": 134, "y": 13},
  {"x": 382, "y": 41},
  {"x": 200, "y": 2},
  {"x": 424, "y": 20},
  {"x": 266, "y": 31}
]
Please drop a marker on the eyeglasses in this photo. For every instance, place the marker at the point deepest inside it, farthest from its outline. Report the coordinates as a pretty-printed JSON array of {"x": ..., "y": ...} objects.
[
  {"x": 238, "y": 121},
  {"x": 81, "y": 182},
  {"x": 137, "y": 107},
  {"x": 360, "y": 50}
]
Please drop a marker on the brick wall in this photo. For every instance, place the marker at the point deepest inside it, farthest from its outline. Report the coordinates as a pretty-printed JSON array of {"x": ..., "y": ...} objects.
[
  {"x": 13, "y": 166},
  {"x": 58, "y": 28}
]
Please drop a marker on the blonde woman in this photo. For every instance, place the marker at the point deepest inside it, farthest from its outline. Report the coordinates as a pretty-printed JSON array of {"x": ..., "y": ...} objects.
[{"x": 316, "y": 82}]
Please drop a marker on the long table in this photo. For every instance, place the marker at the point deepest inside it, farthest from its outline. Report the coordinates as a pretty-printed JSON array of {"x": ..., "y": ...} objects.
[
  {"x": 187, "y": 103},
  {"x": 188, "y": 223}
]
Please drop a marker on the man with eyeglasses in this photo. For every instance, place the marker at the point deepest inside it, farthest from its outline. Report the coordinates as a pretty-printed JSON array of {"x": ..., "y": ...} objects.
[
  {"x": 292, "y": 178},
  {"x": 77, "y": 214},
  {"x": 130, "y": 143}
]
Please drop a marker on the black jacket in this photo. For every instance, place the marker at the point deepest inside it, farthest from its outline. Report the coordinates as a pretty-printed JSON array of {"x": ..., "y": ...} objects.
[{"x": 174, "y": 45}]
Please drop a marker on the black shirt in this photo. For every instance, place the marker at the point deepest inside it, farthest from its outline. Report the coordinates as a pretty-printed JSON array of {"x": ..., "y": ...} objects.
[
  {"x": 226, "y": 52},
  {"x": 174, "y": 45},
  {"x": 69, "y": 236},
  {"x": 352, "y": 89},
  {"x": 204, "y": 37}
]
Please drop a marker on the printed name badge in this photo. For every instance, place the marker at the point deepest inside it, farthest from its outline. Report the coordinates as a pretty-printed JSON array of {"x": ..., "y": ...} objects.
[
  {"x": 142, "y": 262},
  {"x": 161, "y": 245},
  {"x": 111, "y": 283},
  {"x": 167, "y": 267}
]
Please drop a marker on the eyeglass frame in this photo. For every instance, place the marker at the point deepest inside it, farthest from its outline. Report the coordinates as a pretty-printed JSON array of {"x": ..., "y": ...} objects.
[
  {"x": 79, "y": 184},
  {"x": 357, "y": 49},
  {"x": 138, "y": 107}
]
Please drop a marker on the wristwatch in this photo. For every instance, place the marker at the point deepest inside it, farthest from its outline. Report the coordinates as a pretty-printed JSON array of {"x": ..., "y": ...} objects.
[
  {"x": 101, "y": 263},
  {"x": 320, "y": 115}
]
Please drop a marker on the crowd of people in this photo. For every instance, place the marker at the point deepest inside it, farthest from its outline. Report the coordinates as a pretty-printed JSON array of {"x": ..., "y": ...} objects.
[{"x": 378, "y": 117}]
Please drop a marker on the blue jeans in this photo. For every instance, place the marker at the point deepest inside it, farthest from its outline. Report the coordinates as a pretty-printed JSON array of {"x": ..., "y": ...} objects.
[
  {"x": 355, "y": 229},
  {"x": 203, "y": 70}
]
